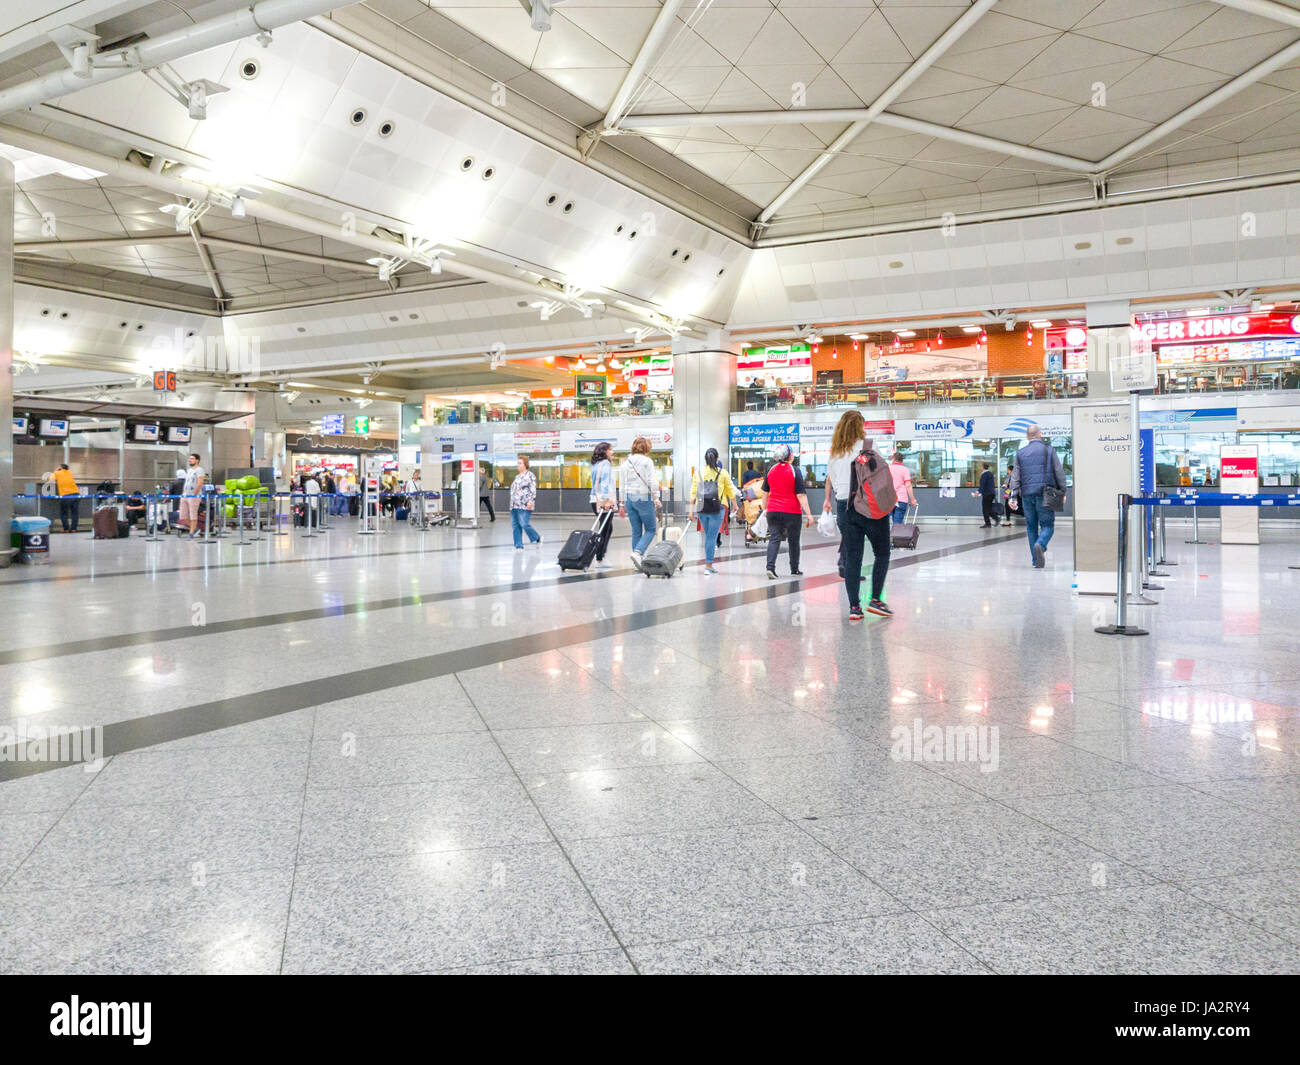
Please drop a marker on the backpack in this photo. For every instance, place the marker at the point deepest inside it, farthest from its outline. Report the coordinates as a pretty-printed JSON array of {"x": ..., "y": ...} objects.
[
  {"x": 871, "y": 485},
  {"x": 707, "y": 495}
]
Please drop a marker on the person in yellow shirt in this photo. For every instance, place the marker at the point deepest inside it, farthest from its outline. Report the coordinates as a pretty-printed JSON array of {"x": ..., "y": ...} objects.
[
  {"x": 65, "y": 487},
  {"x": 712, "y": 495}
]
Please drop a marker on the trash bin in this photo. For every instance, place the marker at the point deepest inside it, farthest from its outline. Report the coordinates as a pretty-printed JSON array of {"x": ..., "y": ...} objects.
[{"x": 31, "y": 536}]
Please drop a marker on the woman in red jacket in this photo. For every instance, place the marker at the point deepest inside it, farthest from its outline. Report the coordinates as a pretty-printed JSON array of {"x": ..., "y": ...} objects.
[{"x": 785, "y": 500}]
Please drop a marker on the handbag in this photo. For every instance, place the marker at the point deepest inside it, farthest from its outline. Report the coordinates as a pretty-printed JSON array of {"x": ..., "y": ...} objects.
[{"x": 1054, "y": 498}]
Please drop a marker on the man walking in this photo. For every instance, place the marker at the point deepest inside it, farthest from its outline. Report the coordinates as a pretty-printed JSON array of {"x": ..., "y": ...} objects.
[
  {"x": 902, "y": 487},
  {"x": 1038, "y": 466},
  {"x": 988, "y": 495}
]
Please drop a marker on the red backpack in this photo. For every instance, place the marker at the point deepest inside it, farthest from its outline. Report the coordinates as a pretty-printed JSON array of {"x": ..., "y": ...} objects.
[{"x": 872, "y": 485}]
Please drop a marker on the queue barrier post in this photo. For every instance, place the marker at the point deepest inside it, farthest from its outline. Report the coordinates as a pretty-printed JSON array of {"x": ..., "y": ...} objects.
[
  {"x": 1150, "y": 528},
  {"x": 151, "y": 517},
  {"x": 1196, "y": 526},
  {"x": 280, "y": 530},
  {"x": 1121, "y": 626},
  {"x": 208, "y": 537},
  {"x": 1164, "y": 542}
]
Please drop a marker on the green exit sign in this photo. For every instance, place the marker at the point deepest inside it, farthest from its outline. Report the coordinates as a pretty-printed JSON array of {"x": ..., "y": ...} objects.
[{"x": 361, "y": 425}]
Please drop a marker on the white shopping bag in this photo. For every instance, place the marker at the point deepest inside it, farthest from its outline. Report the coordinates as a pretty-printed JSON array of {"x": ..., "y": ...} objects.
[{"x": 826, "y": 525}]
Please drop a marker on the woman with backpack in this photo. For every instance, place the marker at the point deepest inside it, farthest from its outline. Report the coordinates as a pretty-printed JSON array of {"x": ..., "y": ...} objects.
[
  {"x": 867, "y": 517},
  {"x": 712, "y": 495},
  {"x": 845, "y": 445}
]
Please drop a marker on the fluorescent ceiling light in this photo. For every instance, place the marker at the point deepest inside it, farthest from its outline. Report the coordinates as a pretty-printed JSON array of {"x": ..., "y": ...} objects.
[
  {"x": 859, "y": 336},
  {"x": 905, "y": 332},
  {"x": 1041, "y": 324},
  {"x": 971, "y": 329}
]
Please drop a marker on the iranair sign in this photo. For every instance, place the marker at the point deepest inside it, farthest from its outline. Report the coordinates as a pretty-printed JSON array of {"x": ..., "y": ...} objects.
[{"x": 993, "y": 428}]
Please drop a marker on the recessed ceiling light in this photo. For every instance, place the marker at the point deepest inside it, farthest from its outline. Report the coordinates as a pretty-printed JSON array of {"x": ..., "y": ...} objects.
[
  {"x": 1041, "y": 324},
  {"x": 905, "y": 332},
  {"x": 971, "y": 329}
]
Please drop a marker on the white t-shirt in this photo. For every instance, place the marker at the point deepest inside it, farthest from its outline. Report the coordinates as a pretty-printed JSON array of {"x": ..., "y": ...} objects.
[
  {"x": 192, "y": 475},
  {"x": 837, "y": 473}
]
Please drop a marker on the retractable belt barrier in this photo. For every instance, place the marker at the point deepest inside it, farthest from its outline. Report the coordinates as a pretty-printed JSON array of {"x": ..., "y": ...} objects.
[
  {"x": 1154, "y": 539},
  {"x": 264, "y": 509}
]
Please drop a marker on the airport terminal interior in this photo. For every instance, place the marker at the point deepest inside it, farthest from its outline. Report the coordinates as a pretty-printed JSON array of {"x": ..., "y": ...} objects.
[{"x": 445, "y": 434}]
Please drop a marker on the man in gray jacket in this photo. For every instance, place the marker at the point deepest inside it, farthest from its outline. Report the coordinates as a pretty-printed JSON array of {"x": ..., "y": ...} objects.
[{"x": 1037, "y": 466}]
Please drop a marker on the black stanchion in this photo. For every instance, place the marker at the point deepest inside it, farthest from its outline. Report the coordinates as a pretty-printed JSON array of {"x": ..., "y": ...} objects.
[{"x": 1121, "y": 626}]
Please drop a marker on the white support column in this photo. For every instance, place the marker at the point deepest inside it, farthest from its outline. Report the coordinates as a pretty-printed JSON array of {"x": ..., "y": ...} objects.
[
  {"x": 704, "y": 387},
  {"x": 6, "y": 355}
]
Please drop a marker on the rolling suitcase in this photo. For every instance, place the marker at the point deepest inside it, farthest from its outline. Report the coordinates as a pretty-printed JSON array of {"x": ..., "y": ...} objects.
[
  {"x": 104, "y": 523},
  {"x": 664, "y": 557},
  {"x": 908, "y": 533},
  {"x": 579, "y": 549}
]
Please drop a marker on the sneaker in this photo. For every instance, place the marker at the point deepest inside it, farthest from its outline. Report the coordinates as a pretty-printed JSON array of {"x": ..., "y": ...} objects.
[
  {"x": 856, "y": 614},
  {"x": 879, "y": 608},
  {"x": 710, "y": 570},
  {"x": 1040, "y": 557},
  {"x": 771, "y": 575},
  {"x": 796, "y": 573},
  {"x": 537, "y": 541},
  {"x": 519, "y": 547},
  {"x": 636, "y": 560}
]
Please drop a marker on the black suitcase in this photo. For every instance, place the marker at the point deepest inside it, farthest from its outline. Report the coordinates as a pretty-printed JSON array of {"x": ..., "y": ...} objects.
[
  {"x": 579, "y": 549},
  {"x": 908, "y": 533},
  {"x": 123, "y": 529}
]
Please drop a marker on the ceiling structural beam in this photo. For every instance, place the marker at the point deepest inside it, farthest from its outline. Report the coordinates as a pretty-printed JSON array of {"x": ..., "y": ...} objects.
[
  {"x": 190, "y": 190},
  {"x": 257, "y": 19},
  {"x": 992, "y": 144},
  {"x": 645, "y": 59},
  {"x": 33, "y": 247},
  {"x": 1266, "y": 9},
  {"x": 924, "y": 61},
  {"x": 208, "y": 268},
  {"x": 1243, "y": 81},
  {"x": 1203, "y": 188},
  {"x": 862, "y": 114},
  {"x": 145, "y": 239}
]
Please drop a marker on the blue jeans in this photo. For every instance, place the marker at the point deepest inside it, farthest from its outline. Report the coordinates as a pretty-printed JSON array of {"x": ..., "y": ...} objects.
[
  {"x": 641, "y": 515},
  {"x": 520, "y": 523},
  {"x": 710, "y": 523},
  {"x": 1040, "y": 522},
  {"x": 900, "y": 512}
]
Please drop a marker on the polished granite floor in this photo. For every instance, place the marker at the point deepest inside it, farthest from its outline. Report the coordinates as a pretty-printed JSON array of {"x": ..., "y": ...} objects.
[{"x": 431, "y": 752}]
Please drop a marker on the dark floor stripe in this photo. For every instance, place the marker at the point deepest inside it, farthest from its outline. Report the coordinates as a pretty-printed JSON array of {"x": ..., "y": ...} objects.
[
  {"x": 187, "y": 721},
  {"x": 44, "y": 652},
  {"x": 255, "y": 562}
]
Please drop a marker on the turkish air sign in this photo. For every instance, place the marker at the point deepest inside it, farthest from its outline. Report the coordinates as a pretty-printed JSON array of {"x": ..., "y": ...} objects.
[{"x": 1219, "y": 327}]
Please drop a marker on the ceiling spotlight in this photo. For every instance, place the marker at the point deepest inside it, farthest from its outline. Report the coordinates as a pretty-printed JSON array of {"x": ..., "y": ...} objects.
[
  {"x": 237, "y": 208},
  {"x": 435, "y": 265},
  {"x": 264, "y": 38},
  {"x": 600, "y": 367},
  {"x": 292, "y": 397}
]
